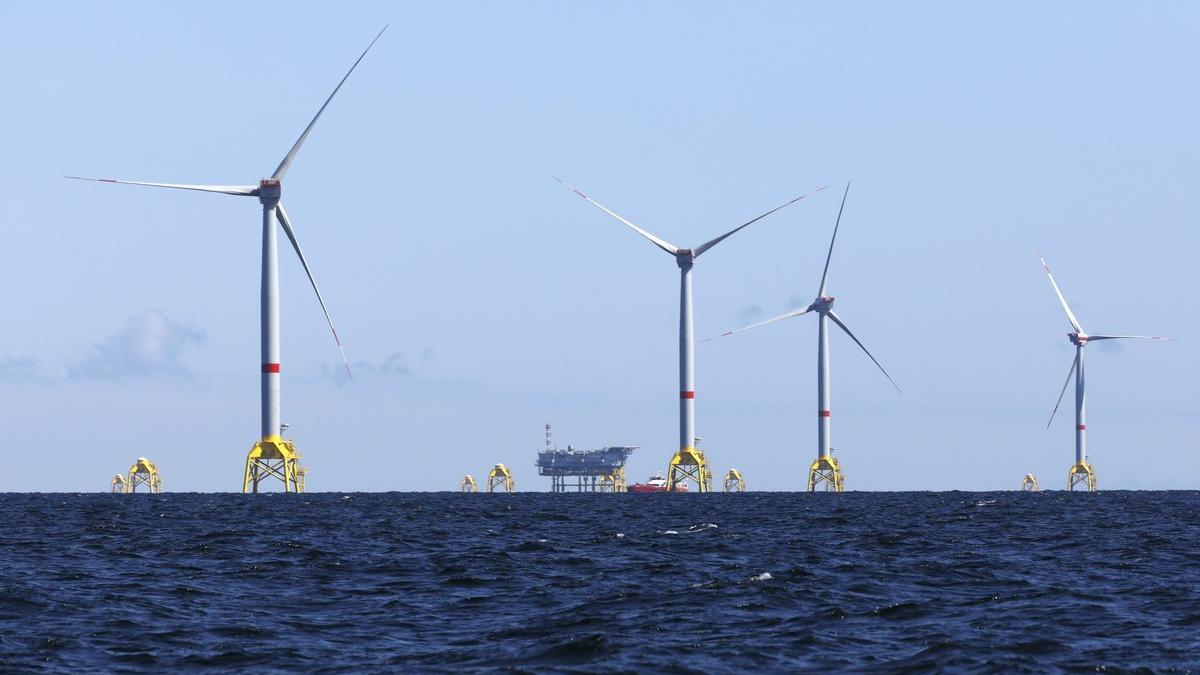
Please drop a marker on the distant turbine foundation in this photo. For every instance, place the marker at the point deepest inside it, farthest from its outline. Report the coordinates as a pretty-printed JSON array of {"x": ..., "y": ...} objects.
[
  {"x": 500, "y": 479},
  {"x": 1029, "y": 483},
  {"x": 825, "y": 475},
  {"x": 689, "y": 464},
  {"x": 145, "y": 473},
  {"x": 1081, "y": 473},
  {"x": 274, "y": 458}
]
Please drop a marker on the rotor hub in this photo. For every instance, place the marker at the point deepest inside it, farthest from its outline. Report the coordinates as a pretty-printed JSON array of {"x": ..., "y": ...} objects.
[{"x": 823, "y": 304}]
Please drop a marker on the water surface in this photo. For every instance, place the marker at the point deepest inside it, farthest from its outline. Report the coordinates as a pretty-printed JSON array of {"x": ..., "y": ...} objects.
[{"x": 447, "y": 581}]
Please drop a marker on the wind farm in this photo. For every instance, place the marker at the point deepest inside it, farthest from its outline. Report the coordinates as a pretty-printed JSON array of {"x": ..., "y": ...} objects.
[
  {"x": 443, "y": 320},
  {"x": 184, "y": 488}
]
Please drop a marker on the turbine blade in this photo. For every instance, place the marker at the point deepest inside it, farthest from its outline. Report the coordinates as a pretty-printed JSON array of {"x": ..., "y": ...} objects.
[
  {"x": 1070, "y": 316},
  {"x": 781, "y": 317},
  {"x": 841, "y": 325},
  {"x": 287, "y": 160},
  {"x": 291, "y": 235},
  {"x": 1074, "y": 362},
  {"x": 711, "y": 243},
  {"x": 1128, "y": 337},
  {"x": 829, "y": 256},
  {"x": 664, "y": 245},
  {"x": 239, "y": 190}
]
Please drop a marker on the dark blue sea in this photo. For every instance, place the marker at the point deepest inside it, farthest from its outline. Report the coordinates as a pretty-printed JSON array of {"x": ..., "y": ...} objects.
[{"x": 883, "y": 582}]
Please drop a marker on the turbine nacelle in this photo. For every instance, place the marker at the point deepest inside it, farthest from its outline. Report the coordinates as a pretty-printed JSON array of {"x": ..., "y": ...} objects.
[
  {"x": 1077, "y": 339},
  {"x": 822, "y": 304},
  {"x": 269, "y": 191},
  {"x": 685, "y": 258}
]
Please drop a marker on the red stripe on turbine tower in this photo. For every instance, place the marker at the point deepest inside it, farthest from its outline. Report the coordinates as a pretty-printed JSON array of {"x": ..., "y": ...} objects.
[
  {"x": 823, "y": 413},
  {"x": 1082, "y": 427},
  {"x": 270, "y": 368},
  {"x": 687, "y": 394}
]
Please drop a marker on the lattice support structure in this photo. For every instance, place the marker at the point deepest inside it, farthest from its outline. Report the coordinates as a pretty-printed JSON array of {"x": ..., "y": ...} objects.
[
  {"x": 689, "y": 464},
  {"x": 613, "y": 482},
  {"x": 274, "y": 459},
  {"x": 500, "y": 477},
  {"x": 734, "y": 482},
  {"x": 1081, "y": 474},
  {"x": 824, "y": 475},
  {"x": 467, "y": 484},
  {"x": 118, "y": 484},
  {"x": 143, "y": 473},
  {"x": 1029, "y": 483}
]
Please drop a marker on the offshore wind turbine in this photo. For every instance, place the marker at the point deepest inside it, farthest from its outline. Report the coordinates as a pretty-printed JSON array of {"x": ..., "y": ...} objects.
[
  {"x": 825, "y": 472},
  {"x": 1081, "y": 471},
  {"x": 272, "y": 456},
  {"x": 689, "y": 462}
]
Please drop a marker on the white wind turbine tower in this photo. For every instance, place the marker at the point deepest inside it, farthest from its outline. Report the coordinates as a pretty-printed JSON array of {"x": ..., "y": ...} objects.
[
  {"x": 272, "y": 456},
  {"x": 825, "y": 472},
  {"x": 1081, "y": 471},
  {"x": 689, "y": 462}
]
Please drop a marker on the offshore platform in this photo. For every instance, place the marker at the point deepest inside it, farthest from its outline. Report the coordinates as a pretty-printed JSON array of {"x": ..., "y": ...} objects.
[{"x": 600, "y": 470}]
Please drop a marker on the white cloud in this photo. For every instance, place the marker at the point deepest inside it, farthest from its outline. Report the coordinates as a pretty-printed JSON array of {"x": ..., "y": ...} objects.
[
  {"x": 150, "y": 345},
  {"x": 22, "y": 370}
]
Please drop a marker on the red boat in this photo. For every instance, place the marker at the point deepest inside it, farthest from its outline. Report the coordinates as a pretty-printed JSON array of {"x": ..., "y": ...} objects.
[{"x": 656, "y": 484}]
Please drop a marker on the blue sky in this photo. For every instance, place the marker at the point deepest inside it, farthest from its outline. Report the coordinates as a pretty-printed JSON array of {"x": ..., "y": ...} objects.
[{"x": 478, "y": 299}]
